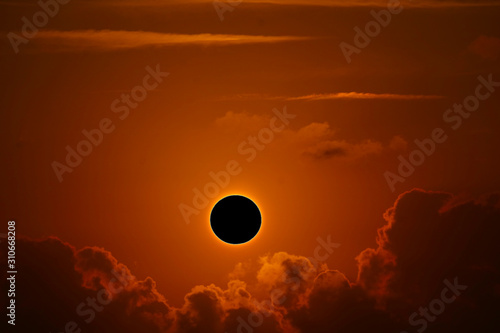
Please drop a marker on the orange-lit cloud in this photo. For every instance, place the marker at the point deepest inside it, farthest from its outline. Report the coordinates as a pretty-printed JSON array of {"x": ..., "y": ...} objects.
[
  {"x": 398, "y": 143},
  {"x": 426, "y": 239},
  {"x": 376, "y": 3},
  {"x": 316, "y": 140},
  {"x": 486, "y": 47},
  {"x": 341, "y": 148},
  {"x": 360, "y": 95},
  {"x": 329, "y": 3},
  {"x": 242, "y": 121},
  {"x": 106, "y": 40},
  {"x": 430, "y": 236},
  {"x": 335, "y": 96}
]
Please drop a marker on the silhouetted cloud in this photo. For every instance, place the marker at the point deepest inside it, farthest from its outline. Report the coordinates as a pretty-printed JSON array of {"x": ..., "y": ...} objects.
[{"x": 428, "y": 237}]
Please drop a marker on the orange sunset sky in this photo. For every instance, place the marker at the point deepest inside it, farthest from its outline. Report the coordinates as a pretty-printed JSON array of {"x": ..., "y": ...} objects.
[{"x": 384, "y": 143}]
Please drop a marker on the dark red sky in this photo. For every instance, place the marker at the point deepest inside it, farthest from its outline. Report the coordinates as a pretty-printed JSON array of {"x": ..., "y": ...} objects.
[{"x": 352, "y": 121}]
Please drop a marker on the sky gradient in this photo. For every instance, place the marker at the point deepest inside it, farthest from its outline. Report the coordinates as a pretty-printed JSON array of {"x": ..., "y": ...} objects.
[{"x": 391, "y": 153}]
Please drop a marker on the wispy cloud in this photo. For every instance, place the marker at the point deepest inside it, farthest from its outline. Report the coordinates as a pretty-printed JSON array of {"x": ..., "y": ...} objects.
[
  {"x": 360, "y": 95},
  {"x": 335, "y": 96},
  {"x": 379, "y": 3},
  {"x": 325, "y": 3},
  {"x": 106, "y": 40}
]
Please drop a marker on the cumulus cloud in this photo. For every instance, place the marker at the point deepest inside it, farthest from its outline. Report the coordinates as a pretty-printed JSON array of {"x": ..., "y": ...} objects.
[
  {"x": 242, "y": 122},
  {"x": 398, "y": 143},
  {"x": 315, "y": 131},
  {"x": 315, "y": 140},
  {"x": 61, "y": 285},
  {"x": 319, "y": 142},
  {"x": 341, "y": 148},
  {"x": 336, "y": 305},
  {"x": 428, "y": 236}
]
